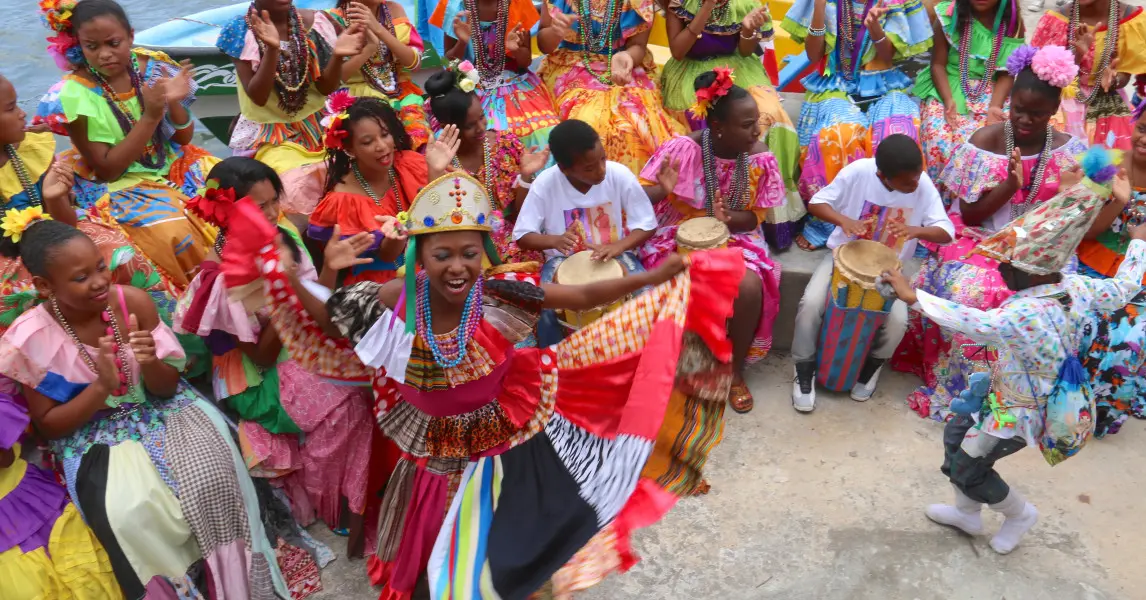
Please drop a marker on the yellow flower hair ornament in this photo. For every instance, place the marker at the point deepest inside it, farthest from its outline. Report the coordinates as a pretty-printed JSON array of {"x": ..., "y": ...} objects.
[{"x": 16, "y": 221}]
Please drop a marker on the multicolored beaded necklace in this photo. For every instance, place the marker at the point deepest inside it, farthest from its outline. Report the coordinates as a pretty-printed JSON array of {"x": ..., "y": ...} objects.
[
  {"x": 489, "y": 71},
  {"x": 366, "y": 187},
  {"x": 22, "y": 175},
  {"x": 1108, "y": 49},
  {"x": 294, "y": 72},
  {"x": 454, "y": 353},
  {"x": 853, "y": 36},
  {"x": 992, "y": 60},
  {"x": 119, "y": 348},
  {"x": 379, "y": 70},
  {"x": 739, "y": 188},
  {"x": 602, "y": 43},
  {"x": 1030, "y": 191},
  {"x": 155, "y": 154},
  {"x": 486, "y": 173}
]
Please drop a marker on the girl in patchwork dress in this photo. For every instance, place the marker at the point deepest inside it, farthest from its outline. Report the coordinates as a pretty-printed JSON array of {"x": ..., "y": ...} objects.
[
  {"x": 126, "y": 112},
  {"x": 1107, "y": 38},
  {"x": 513, "y": 98},
  {"x": 858, "y": 95},
  {"x": 46, "y": 550},
  {"x": 29, "y": 178},
  {"x": 287, "y": 60},
  {"x": 504, "y": 471},
  {"x": 1115, "y": 342},
  {"x": 100, "y": 374},
  {"x": 1002, "y": 172},
  {"x": 600, "y": 70},
  {"x": 313, "y": 436},
  {"x": 705, "y": 35},
  {"x": 393, "y": 51},
  {"x": 967, "y": 85},
  {"x": 702, "y": 174},
  {"x": 496, "y": 158}
]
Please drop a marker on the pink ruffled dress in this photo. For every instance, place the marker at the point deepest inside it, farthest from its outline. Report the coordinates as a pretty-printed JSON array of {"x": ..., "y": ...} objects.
[
  {"x": 316, "y": 442},
  {"x": 687, "y": 201},
  {"x": 942, "y": 359}
]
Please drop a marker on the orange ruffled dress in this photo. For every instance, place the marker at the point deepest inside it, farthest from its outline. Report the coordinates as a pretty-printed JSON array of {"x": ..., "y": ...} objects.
[{"x": 354, "y": 213}]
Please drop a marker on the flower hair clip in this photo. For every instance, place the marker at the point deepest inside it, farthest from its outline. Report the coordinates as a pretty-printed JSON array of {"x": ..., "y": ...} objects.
[
  {"x": 707, "y": 96},
  {"x": 63, "y": 47},
  {"x": 213, "y": 204},
  {"x": 336, "y": 106},
  {"x": 1053, "y": 64},
  {"x": 16, "y": 221},
  {"x": 466, "y": 77}
]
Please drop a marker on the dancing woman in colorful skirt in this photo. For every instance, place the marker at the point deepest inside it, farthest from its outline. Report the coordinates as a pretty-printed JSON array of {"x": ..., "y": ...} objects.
[
  {"x": 556, "y": 446},
  {"x": 858, "y": 95}
]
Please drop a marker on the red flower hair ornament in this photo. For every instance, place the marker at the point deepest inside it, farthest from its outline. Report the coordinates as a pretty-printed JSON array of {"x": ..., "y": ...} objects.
[
  {"x": 213, "y": 204},
  {"x": 336, "y": 106},
  {"x": 707, "y": 96}
]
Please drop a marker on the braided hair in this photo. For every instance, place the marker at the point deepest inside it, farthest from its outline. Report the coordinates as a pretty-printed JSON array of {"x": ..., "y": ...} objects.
[
  {"x": 38, "y": 243},
  {"x": 338, "y": 161}
]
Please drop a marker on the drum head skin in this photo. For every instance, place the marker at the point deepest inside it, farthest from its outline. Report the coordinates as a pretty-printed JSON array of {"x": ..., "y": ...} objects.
[
  {"x": 864, "y": 260},
  {"x": 702, "y": 233},
  {"x": 580, "y": 269}
]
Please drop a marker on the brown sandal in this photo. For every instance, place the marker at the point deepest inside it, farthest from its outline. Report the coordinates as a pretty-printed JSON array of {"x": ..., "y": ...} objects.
[
  {"x": 804, "y": 244},
  {"x": 739, "y": 397}
]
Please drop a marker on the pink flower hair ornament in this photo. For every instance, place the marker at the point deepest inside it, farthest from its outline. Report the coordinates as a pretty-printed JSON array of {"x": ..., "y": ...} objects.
[
  {"x": 1055, "y": 65},
  {"x": 63, "y": 47}
]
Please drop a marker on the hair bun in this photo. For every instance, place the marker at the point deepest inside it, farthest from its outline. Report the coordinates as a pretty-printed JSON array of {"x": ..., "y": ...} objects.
[
  {"x": 704, "y": 80},
  {"x": 440, "y": 83}
]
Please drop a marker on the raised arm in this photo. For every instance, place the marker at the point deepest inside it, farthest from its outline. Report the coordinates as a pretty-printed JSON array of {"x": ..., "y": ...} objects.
[{"x": 600, "y": 293}]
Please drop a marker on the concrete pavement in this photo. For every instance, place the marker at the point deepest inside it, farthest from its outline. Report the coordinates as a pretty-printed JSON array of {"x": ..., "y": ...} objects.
[{"x": 829, "y": 506}]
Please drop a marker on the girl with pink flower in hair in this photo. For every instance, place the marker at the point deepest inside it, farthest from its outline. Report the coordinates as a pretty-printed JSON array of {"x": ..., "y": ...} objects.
[
  {"x": 1002, "y": 171},
  {"x": 1105, "y": 38}
]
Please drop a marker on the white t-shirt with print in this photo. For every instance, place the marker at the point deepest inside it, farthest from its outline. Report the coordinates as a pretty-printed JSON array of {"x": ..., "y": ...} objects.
[
  {"x": 858, "y": 193},
  {"x": 604, "y": 214}
]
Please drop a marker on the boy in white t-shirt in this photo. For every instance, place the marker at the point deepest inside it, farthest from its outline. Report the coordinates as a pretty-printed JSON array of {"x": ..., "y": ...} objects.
[
  {"x": 585, "y": 202},
  {"x": 888, "y": 199}
]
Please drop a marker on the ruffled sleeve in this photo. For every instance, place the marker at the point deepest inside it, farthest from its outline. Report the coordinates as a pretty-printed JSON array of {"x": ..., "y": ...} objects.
[
  {"x": 690, "y": 176},
  {"x": 767, "y": 181},
  {"x": 205, "y": 307},
  {"x": 1051, "y": 30},
  {"x": 405, "y": 32},
  {"x": 906, "y": 26},
  {"x": 233, "y": 38},
  {"x": 1131, "y": 42},
  {"x": 970, "y": 172},
  {"x": 167, "y": 348},
  {"x": 160, "y": 65},
  {"x": 72, "y": 98}
]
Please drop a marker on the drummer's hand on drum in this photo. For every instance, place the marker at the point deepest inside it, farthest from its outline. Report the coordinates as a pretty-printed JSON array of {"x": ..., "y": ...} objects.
[
  {"x": 566, "y": 243},
  {"x": 853, "y": 228},
  {"x": 669, "y": 267},
  {"x": 603, "y": 252},
  {"x": 901, "y": 285},
  {"x": 902, "y": 231}
]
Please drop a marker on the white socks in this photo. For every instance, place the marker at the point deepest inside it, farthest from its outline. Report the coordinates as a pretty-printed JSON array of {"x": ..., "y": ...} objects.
[
  {"x": 965, "y": 514},
  {"x": 1020, "y": 517}
]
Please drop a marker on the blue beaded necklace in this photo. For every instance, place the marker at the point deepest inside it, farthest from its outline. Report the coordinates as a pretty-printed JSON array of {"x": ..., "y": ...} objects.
[{"x": 471, "y": 318}]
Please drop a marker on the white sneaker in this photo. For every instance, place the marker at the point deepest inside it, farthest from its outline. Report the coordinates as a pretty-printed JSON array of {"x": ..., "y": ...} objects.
[
  {"x": 1014, "y": 527},
  {"x": 804, "y": 401},
  {"x": 862, "y": 392}
]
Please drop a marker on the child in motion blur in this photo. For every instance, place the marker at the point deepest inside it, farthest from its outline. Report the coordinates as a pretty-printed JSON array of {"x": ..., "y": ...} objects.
[
  {"x": 892, "y": 188},
  {"x": 1039, "y": 391}
]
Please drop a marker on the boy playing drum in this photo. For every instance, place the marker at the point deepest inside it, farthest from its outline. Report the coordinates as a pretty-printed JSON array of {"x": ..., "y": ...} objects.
[{"x": 888, "y": 199}]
